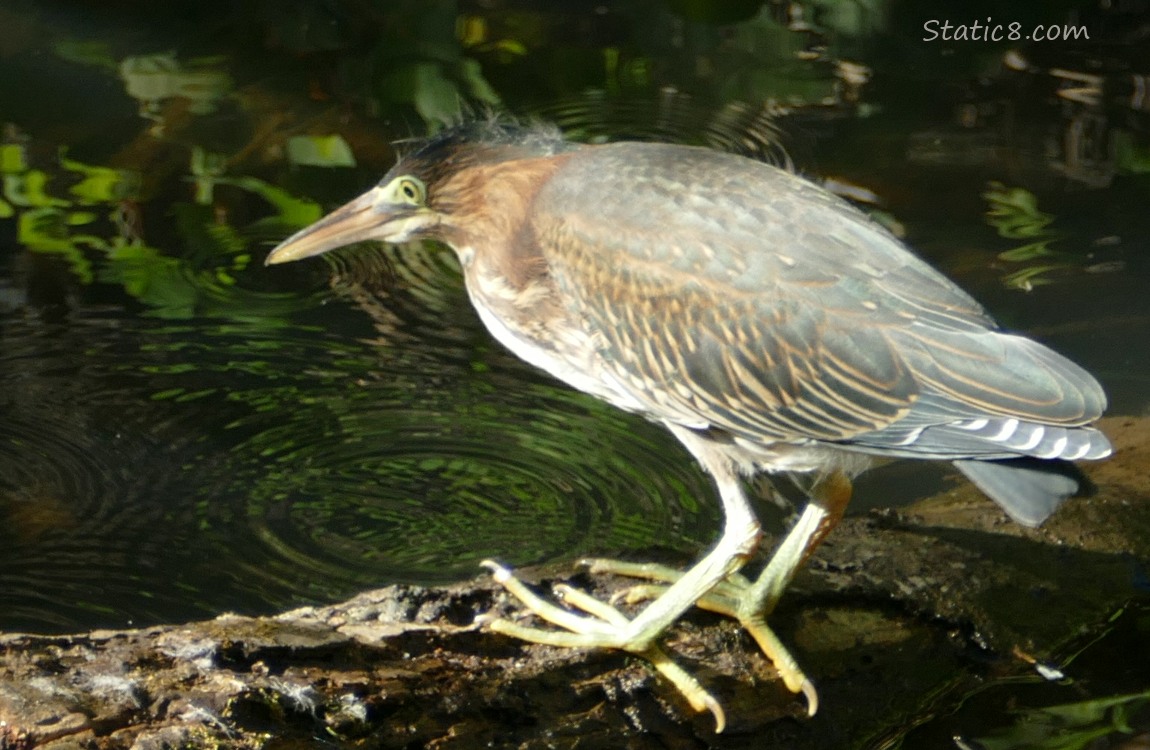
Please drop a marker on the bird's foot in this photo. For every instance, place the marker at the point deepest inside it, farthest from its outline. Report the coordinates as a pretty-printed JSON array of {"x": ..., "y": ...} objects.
[
  {"x": 736, "y": 597},
  {"x": 750, "y": 602},
  {"x": 600, "y": 626}
]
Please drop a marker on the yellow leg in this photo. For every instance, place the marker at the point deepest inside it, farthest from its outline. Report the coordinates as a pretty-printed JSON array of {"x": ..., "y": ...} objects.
[
  {"x": 752, "y": 602},
  {"x": 602, "y": 626}
]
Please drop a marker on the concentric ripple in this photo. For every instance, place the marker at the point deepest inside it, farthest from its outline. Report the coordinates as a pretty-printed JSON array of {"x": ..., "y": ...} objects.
[
  {"x": 443, "y": 449},
  {"x": 431, "y": 488},
  {"x": 152, "y": 471},
  {"x": 676, "y": 117},
  {"x": 71, "y": 465}
]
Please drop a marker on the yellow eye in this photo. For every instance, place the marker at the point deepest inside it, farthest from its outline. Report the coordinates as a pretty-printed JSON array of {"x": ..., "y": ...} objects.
[{"x": 409, "y": 190}]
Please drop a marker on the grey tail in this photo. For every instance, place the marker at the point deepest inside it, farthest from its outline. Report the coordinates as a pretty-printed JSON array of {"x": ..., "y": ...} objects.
[{"x": 1028, "y": 489}]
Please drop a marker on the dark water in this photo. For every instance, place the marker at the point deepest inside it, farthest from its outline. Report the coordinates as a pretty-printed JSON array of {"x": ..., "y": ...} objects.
[
  {"x": 184, "y": 432},
  {"x": 157, "y": 470}
]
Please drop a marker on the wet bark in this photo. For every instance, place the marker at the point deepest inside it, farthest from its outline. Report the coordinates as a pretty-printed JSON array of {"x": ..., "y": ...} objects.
[{"x": 894, "y": 607}]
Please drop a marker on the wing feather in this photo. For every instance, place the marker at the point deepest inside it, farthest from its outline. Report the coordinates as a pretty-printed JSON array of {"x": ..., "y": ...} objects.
[{"x": 750, "y": 300}]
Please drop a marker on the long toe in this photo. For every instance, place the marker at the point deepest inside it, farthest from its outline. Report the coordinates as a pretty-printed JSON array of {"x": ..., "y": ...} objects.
[{"x": 601, "y": 626}]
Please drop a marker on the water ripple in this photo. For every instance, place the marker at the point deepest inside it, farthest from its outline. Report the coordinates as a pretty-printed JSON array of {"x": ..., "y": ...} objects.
[
  {"x": 439, "y": 455},
  {"x": 676, "y": 117},
  {"x": 153, "y": 471}
]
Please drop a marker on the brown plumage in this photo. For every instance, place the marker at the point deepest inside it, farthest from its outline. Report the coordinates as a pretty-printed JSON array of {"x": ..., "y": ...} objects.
[{"x": 767, "y": 323}]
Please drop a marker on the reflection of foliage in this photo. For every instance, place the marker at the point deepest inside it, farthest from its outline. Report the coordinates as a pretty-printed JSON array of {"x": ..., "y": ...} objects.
[
  {"x": 319, "y": 151},
  {"x": 1071, "y": 726},
  {"x": 434, "y": 87},
  {"x": 100, "y": 184},
  {"x": 788, "y": 53},
  {"x": 46, "y": 222},
  {"x": 165, "y": 284},
  {"x": 290, "y": 212},
  {"x": 764, "y": 59},
  {"x": 92, "y": 225},
  {"x": 1130, "y": 156},
  {"x": 421, "y": 62},
  {"x": 153, "y": 79},
  {"x": 416, "y": 58},
  {"x": 150, "y": 79},
  {"x": 1014, "y": 213}
]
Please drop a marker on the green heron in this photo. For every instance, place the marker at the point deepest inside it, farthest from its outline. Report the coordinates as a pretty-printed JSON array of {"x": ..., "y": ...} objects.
[{"x": 768, "y": 324}]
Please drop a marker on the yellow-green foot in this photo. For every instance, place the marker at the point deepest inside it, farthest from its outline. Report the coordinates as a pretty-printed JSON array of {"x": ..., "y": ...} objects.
[
  {"x": 600, "y": 626},
  {"x": 750, "y": 602},
  {"x": 734, "y": 597}
]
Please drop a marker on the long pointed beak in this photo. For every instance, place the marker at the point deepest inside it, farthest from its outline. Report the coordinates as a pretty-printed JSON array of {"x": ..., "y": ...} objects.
[{"x": 365, "y": 218}]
